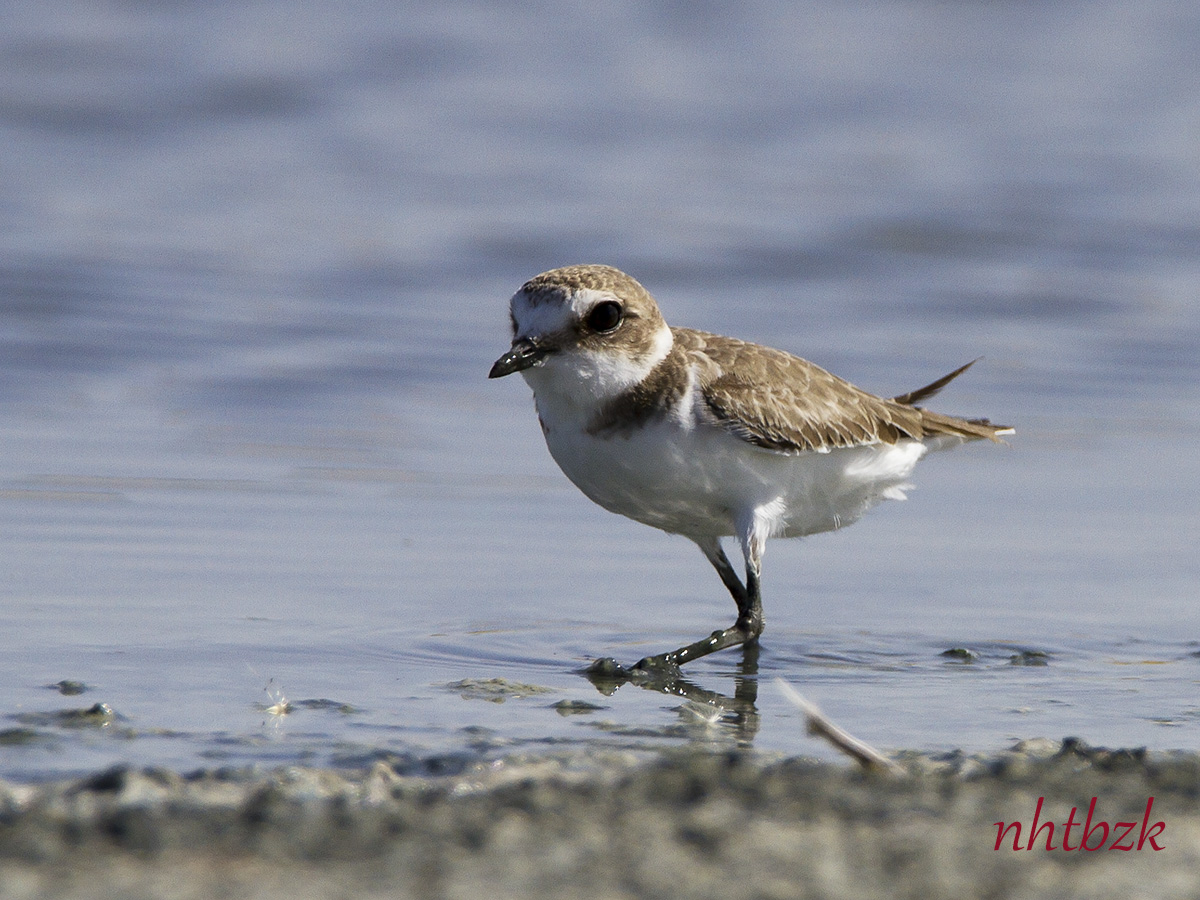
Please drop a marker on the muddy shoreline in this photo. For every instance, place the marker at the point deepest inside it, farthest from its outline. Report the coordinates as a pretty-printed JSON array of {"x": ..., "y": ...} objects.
[{"x": 609, "y": 824}]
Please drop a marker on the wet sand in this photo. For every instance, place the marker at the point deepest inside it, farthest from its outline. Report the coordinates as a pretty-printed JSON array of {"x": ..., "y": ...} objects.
[{"x": 610, "y": 824}]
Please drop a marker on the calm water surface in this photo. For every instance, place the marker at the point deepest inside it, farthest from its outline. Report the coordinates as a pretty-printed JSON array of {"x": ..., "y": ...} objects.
[{"x": 254, "y": 266}]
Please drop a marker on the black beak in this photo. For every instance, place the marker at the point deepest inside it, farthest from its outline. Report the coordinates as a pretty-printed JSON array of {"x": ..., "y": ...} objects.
[{"x": 523, "y": 354}]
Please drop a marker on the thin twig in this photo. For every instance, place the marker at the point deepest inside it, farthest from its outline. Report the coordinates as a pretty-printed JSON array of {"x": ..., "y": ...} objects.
[{"x": 818, "y": 724}]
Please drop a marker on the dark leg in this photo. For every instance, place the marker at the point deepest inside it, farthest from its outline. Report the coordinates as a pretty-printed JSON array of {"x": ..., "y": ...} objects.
[{"x": 749, "y": 624}]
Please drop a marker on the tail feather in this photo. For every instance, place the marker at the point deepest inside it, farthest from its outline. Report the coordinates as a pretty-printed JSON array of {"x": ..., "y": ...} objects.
[
  {"x": 951, "y": 426},
  {"x": 967, "y": 429},
  {"x": 912, "y": 398}
]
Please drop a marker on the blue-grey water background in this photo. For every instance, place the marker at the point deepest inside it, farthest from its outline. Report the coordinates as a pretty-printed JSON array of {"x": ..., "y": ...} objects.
[{"x": 254, "y": 265}]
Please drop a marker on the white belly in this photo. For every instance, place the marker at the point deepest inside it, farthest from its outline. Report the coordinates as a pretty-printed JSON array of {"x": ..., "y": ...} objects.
[{"x": 703, "y": 481}]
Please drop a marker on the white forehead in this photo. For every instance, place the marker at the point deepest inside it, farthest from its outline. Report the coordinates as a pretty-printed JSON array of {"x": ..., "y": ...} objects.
[{"x": 547, "y": 318}]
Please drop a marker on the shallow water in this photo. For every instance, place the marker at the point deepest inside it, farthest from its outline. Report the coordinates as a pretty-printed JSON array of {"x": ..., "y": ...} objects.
[{"x": 254, "y": 266}]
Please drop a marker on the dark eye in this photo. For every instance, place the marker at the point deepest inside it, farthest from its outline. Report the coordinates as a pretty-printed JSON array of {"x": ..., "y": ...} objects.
[{"x": 604, "y": 316}]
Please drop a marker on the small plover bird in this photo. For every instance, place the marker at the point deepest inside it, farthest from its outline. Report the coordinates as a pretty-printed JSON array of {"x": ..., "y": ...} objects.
[{"x": 708, "y": 436}]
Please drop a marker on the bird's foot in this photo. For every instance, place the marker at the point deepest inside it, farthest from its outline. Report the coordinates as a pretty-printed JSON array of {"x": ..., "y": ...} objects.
[
  {"x": 607, "y": 675},
  {"x": 664, "y": 665},
  {"x": 607, "y": 667}
]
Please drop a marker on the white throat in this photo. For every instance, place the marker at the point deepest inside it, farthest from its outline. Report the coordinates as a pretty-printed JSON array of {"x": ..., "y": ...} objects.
[
  {"x": 578, "y": 377},
  {"x": 587, "y": 377}
]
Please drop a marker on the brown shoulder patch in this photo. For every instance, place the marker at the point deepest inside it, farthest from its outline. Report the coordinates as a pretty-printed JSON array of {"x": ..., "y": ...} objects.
[{"x": 657, "y": 393}]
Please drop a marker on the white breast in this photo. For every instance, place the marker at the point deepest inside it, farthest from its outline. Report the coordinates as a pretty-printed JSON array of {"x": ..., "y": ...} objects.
[{"x": 689, "y": 476}]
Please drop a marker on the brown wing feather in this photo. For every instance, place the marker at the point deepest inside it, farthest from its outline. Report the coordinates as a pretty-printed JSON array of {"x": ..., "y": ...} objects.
[{"x": 781, "y": 402}]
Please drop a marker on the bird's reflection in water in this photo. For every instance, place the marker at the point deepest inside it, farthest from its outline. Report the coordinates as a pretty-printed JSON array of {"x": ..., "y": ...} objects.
[{"x": 703, "y": 707}]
